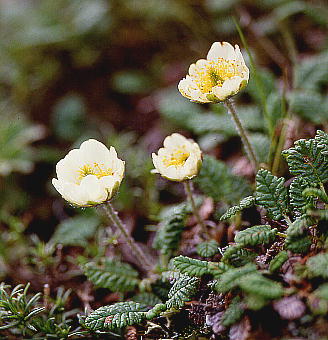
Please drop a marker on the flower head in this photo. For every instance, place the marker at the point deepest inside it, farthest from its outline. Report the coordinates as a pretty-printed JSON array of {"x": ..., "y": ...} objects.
[
  {"x": 89, "y": 175},
  {"x": 179, "y": 159},
  {"x": 221, "y": 75}
]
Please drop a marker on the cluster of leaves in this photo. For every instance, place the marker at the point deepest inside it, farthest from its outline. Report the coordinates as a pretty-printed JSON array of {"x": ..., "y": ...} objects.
[
  {"x": 27, "y": 315},
  {"x": 252, "y": 272}
]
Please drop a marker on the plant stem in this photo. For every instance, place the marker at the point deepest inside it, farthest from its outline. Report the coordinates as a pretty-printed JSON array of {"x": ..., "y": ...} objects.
[
  {"x": 242, "y": 133},
  {"x": 189, "y": 192},
  {"x": 322, "y": 187},
  {"x": 137, "y": 252}
]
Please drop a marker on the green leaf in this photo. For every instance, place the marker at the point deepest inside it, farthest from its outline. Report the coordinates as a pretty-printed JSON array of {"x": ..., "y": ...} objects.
[
  {"x": 322, "y": 141},
  {"x": 216, "y": 180},
  {"x": 237, "y": 256},
  {"x": 207, "y": 249},
  {"x": 168, "y": 235},
  {"x": 255, "y": 301},
  {"x": 69, "y": 118},
  {"x": 230, "y": 279},
  {"x": 233, "y": 313},
  {"x": 131, "y": 82},
  {"x": 318, "y": 265},
  {"x": 259, "y": 234},
  {"x": 217, "y": 269},
  {"x": 278, "y": 261},
  {"x": 191, "y": 267},
  {"x": 310, "y": 105},
  {"x": 297, "y": 227},
  {"x": 306, "y": 159},
  {"x": 271, "y": 194},
  {"x": 261, "y": 145},
  {"x": 182, "y": 290},
  {"x": 156, "y": 311},
  {"x": 311, "y": 73},
  {"x": 315, "y": 192},
  {"x": 75, "y": 231},
  {"x": 322, "y": 292},
  {"x": 146, "y": 299},
  {"x": 246, "y": 202},
  {"x": 298, "y": 244},
  {"x": 257, "y": 284},
  {"x": 298, "y": 202},
  {"x": 115, "y": 316},
  {"x": 113, "y": 274}
]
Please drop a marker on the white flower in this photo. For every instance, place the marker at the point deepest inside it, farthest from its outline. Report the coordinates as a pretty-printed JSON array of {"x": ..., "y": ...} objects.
[
  {"x": 89, "y": 175},
  {"x": 221, "y": 75},
  {"x": 180, "y": 159}
]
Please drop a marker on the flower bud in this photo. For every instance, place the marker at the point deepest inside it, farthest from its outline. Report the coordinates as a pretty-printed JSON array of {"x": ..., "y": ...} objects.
[{"x": 180, "y": 158}]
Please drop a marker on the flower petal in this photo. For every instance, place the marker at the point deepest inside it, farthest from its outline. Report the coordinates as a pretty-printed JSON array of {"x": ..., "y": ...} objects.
[
  {"x": 221, "y": 50},
  {"x": 228, "y": 89}
]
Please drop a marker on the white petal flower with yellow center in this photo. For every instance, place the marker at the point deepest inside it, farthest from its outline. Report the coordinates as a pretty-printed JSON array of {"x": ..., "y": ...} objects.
[
  {"x": 180, "y": 158},
  {"x": 221, "y": 75},
  {"x": 89, "y": 175}
]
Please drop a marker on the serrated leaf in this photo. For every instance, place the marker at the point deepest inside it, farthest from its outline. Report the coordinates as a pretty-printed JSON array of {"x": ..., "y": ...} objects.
[
  {"x": 217, "y": 269},
  {"x": 146, "y": 299},
  {"x": 233, "y": 313},
  {"x": 257, "y": 284},
  {"x": 261, "y": 145},
  {"x": 298, "y": 244},
  {"x": 306, "y": 159},
  {"x": 297, "y": 227},
  {"x": 278, "y": 261},
  {"x": 271, "y": 194},
  {"x": 309, "y": 105},
  {"x": 310, "y": 73},
  {"x": 168, "y": 235},
  {"x": 171, "y": 275},
  {"x": 156, "y": 311},
  {"x": 230, "y": 279},
  {"x": 298, "y": 202},
  {"x": 315, "y": 193},
  {"x": 182, "y": 290},
  {"x": 259, "y": 234},
  {"x": 216, "y": 180},
  {"x": 246, "y": 202},
  {"x": 207, "y": 249},
  {"x": 322, "y": 141},
  {"x": 191, "y": 267},
  {"x": 75, "y": 231},
  {"x": 318, "y": 265},
  {"x": 113, "y": 274},
  {"x": 236, "y": 255},
  {"x": 115, "y": 316}
]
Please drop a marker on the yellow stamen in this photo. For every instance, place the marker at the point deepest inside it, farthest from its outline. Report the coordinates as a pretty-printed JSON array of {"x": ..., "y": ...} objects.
[
  {"x": 215, "y": 72},
  {"x": 94, "y": 169},
  {"x": 177, "y": 158}
]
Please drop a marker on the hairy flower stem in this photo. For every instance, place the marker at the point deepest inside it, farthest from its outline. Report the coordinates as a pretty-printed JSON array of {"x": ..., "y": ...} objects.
[
  {"x": 137, "y": 252},
  {"x": 189, "y": 192},
  {"x": 242, "y": 133}
]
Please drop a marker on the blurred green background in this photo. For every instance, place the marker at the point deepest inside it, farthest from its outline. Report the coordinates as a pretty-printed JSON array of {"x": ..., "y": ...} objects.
[{"x": 71, "y": 70}]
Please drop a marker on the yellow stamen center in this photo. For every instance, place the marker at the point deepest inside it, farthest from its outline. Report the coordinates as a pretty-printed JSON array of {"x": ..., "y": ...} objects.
[
  {"x": 99, "y": 170},
  {"x": 215, "y": 72},
  {"x": 177, "y": 158}
]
